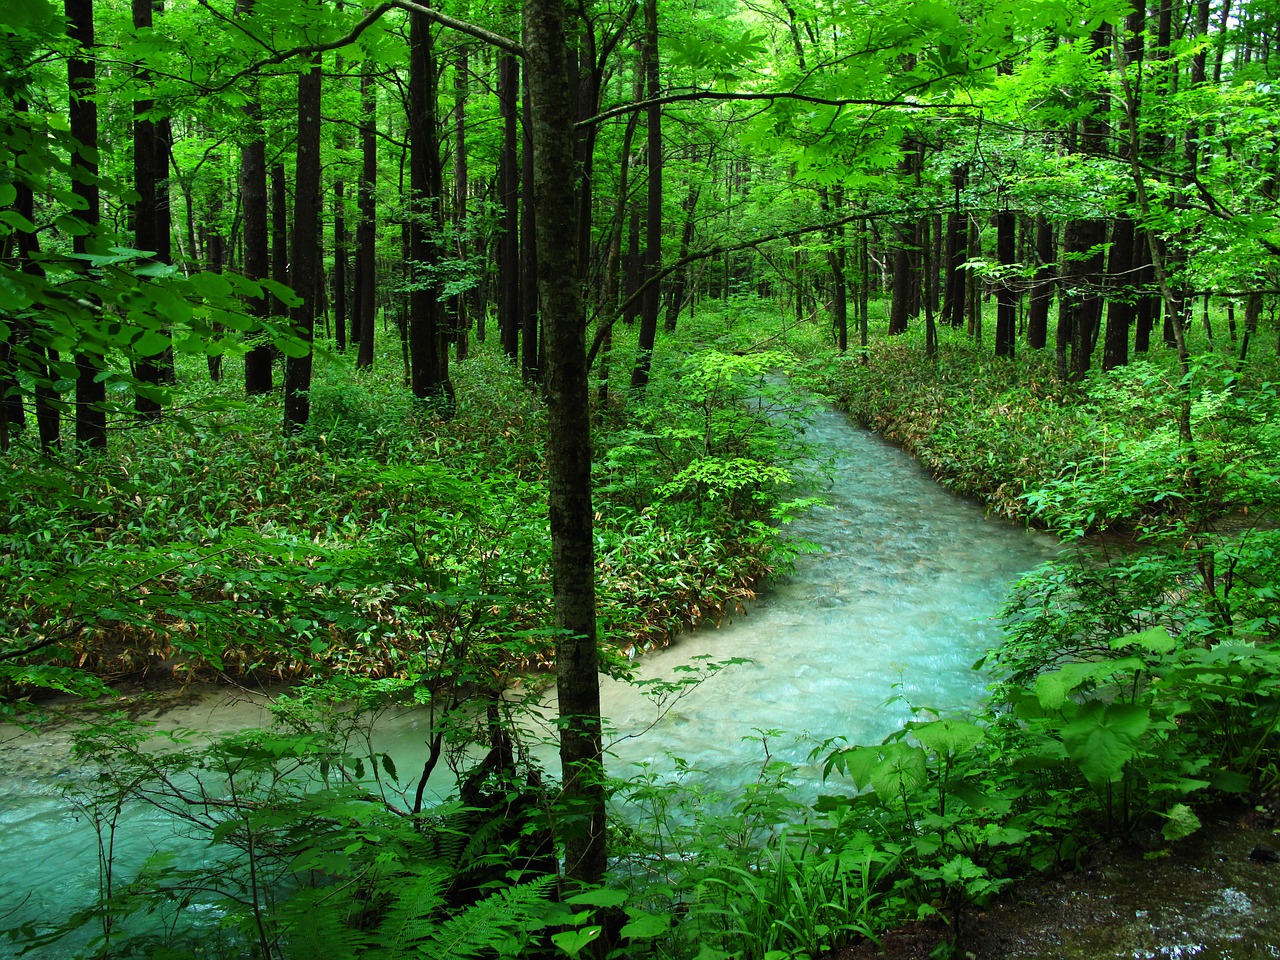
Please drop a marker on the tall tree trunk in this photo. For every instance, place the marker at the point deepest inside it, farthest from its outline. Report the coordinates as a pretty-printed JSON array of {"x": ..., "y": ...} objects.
[
  {"x": 304, "y": 270},
  {"x": 1122, "y": 303},
  {"x": 279, "y": 234},
  {"x": 531, "y": 340},
  {"x": 91, "y": 391},
  {"x": 147, "y": 173},
  {"x": 953, "y": 287},
  {"x": 832, "y": 207},
  {"x": 461, "y": 190},
  {"x": 568, "y": 447},
  {"x": 48, "y": 419},
  {"x": 1006, "y": 295},
  {"x": 509, "y": 203},
  {"x": 676, "y": 297},
  {"x": 257, "y": 260},
  {"x": 1041, "y": 286},
  {"x": 367, "y": 230},
  {"x": 428, "y": 335},
  {"x": 610, "y": 284},
  {"x": 653, "y": 209}
]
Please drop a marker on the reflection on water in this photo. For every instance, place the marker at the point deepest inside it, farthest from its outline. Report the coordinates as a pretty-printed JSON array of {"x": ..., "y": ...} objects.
[{"x": 898, "y": 603}]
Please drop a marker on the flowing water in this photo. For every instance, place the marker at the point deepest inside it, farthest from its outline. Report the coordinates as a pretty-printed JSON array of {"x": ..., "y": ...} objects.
[{"x": 888, "y": 614}]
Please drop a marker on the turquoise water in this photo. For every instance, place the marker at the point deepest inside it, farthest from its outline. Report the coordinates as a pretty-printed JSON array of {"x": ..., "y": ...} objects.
[{"x": 889, "y": 614}]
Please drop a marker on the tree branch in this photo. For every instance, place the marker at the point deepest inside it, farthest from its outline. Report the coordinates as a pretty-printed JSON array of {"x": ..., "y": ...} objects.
[{"x": 733, "y": 248}]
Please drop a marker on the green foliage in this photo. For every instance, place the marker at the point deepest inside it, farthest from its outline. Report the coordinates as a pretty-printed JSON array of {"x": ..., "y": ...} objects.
[{"x": 310, "y": 850}]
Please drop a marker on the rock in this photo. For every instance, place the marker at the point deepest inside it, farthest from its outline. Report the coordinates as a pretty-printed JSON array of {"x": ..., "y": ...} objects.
[{"x": 1263, "y": 854}]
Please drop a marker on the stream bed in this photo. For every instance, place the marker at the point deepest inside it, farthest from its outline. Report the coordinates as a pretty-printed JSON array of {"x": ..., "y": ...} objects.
[{"x": 887, "y": 614}]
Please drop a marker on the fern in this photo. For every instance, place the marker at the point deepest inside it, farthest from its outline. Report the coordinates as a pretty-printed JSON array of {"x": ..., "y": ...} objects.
[
  {"x": 491, "y": 924},
  {"x": 317, "y": 927},
  {"x": 411, "y": 917}
]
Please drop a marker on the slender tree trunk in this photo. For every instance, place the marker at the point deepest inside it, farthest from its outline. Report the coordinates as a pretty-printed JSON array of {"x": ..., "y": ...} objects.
[
  {"x": 1006, "y": 295},
  {"x": 532, "y": 346},
  {"x": 279, "y": 234},
  {"x": 257, "y": 260},
  {"x": 653, "y": 212},
  {"x": 147, "y": 173},
  {"x": 304, "y": 270},
  {"x": 611, "y": 281},
  {"x": 1042, "y": 286},
  {"x": 953, "y": 284},
  {"x": 568, "y": 447},
  {"x": 366, "y": 231},
  {"x": 91, "y": 392},
  {"x": 509, "y": 201},
  {"x": 461, "y": 189},
  {"x": 428, "y": 333},
  {"x": 1122, "y": 304},
  {"x": 676, "y": 298}
]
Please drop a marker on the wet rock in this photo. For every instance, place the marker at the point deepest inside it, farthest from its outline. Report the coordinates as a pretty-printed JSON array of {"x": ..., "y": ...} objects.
[{"x": 1263, "y": 854}]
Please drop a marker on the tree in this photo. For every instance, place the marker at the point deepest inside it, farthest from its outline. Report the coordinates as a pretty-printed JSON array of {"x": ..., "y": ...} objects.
[
  {"x": 568, "y": 443},
  {"x": 253, "y": 198},
  {"x": 91, "y": 391},
  {"x": 428, "y": 334},
  {"x": 304, "y": 261}
]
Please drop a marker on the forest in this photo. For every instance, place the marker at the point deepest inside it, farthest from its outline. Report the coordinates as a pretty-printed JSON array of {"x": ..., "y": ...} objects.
[{"x": 445, "y": 353}]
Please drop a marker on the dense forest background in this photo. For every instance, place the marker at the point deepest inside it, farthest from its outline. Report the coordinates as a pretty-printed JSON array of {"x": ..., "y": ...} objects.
[{"x": 402, "y": 349}]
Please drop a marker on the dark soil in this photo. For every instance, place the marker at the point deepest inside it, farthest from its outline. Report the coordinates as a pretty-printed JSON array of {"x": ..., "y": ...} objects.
[{"x": 1215, "y": 895}]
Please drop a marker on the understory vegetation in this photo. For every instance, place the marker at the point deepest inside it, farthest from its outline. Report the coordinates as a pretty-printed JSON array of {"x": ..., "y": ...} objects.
[{"x": 387, "y": 557}]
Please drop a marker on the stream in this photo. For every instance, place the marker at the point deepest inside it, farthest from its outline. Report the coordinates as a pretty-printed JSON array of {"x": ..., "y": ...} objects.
[{"x": 888, "y": 614}]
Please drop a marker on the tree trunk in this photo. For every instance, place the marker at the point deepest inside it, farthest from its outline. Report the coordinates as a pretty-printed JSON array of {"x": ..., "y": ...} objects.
[
  {"x": 461, "y": 189},
  {"x": 147, "y": 172},
  {"x": 253, "y": 194},
  {"x": 1122, "y": 303},
  {"x": 531, "y": 348},
  {"x": 91, "y": 392},
  {"x": 367, "y": 231},
  {"x": 305, "y": 254},
  {"x": 568, "y": 447},
  {"x": 1041, "y": 286},
  {"x": 279, "y": 234},
  {"x": 1006, "y": 295},
  {"x": 428, "y": 335},
  {"x": 653, "y": 210},
  {"x": 509, "y": 202}
]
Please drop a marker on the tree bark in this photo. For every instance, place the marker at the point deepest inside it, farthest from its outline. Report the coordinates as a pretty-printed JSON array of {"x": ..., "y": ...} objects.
[
  {"x": 366, "y": 306},
  {"x": 305, "y": 254},
  {"x": 1006, "y": 295},
  {"x": 91, "y": 392},
  {"x": 653, "y": 210},
  {"x": 428, "y": 335},
  {"x": 509, "y": 202},
  {"x": 257, "y": 260},
  {"x": 568, "y": 446},
  {"x": 147, "y": 172},
  {"x": 1041, "y": 286}
]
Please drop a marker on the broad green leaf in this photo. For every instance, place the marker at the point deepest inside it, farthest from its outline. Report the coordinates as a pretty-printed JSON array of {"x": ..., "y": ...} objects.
[
  {"x": 948, "y": 737},
  {"x": 573, "y": 941},
  {"x": 1104, "y": 737}
]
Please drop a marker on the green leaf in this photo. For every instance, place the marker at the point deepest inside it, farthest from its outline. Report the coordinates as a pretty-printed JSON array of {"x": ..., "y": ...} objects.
[
  {"x": 904, "y": 769},
  {"x": 602, "y": 897},
  {"x": 646, "y": 926},
  {"x": 1104, "y": 737},
  {"x": 1155, "y": 640},
  {"x": 947, "y": 737},
  {"x": 1181, "y": 821},
  {"x": 572, "y": 941}
]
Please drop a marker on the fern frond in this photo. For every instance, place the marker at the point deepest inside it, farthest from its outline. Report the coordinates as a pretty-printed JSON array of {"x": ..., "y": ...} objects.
[
  {"x": 492, "y": 924},
  {"x": 315, "y": 927},
  {"x": 412, "y": 916}
]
